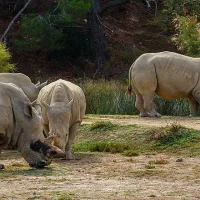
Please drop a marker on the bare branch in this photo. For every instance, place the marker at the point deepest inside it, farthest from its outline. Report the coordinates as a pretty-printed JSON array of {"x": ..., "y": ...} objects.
[{"x": 13, "y": 20}]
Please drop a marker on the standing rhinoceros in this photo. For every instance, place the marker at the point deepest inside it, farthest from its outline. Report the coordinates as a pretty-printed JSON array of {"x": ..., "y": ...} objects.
[
  {"x": 169, "y": 75},
  {"x": 21, "y": 126},
  {"x": 63, "y": 107},
  {"x": 24, "y": 82}
]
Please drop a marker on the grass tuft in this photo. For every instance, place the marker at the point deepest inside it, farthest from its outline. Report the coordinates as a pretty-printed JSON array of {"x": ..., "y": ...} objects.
[{"x": 102, "y": 125}]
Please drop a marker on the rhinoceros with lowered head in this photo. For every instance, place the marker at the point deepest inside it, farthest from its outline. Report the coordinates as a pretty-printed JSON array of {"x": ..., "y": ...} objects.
[
  {"x": 169, "y": 75},
  {"x": 24, "y": 82},
  {"x": 21, "y": 127},
  {"x": 63, "y": 107}
]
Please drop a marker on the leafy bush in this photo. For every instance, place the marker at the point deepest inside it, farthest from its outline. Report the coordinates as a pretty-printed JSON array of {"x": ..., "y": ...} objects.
[
  {"x": 56, "y": 32},
  {"x": 189, "y": 37},
  {"x": 5, "y": 56}
]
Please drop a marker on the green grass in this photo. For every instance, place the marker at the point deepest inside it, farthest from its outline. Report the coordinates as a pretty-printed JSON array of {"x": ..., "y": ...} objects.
[
  {"x": 111, "y": 97},
  {"x": 131, "y": 140}
]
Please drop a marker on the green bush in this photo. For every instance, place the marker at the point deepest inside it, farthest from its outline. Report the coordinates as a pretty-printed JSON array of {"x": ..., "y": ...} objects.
[
  {"x": 57, "y": 32},
  {"x": 5, "y": 56},
  {"x": 188, "y": 37}
]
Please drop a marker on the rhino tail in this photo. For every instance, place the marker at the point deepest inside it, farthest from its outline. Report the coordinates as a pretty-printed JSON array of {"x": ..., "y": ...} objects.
[{"x": 129, "y": 82}]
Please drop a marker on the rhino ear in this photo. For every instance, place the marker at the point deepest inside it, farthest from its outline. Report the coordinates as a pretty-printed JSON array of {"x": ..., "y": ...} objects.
[
  {"x": 28, "y": 110},
  {"x": 46, "y": 105},
  {"x": 49, "y": 139},
  {"x": 37, "y": 84},
  {"x": 70, "y": 104},
  {"x": 40, "y": 86}
]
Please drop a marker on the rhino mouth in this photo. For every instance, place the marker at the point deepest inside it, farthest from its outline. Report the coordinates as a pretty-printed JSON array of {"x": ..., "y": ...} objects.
[{"x": 39, "y": 165}]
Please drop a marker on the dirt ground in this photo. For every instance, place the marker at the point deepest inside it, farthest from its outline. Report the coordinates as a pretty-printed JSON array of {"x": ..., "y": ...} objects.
[
  {"x": 105, "y": 176},
  {"x": 189, "y": 122}
]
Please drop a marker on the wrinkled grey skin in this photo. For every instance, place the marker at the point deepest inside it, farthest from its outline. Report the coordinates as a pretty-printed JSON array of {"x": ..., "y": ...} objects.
[
  {"x": 21, "y": 127},
  {"x": 63, "y": 107},
  {"x": 24, "y": 82},
  {"x": 169, "y": 75}
]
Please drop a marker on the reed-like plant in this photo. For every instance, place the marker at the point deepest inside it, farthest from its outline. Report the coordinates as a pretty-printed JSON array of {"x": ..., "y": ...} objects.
[{"x": 111, "y": 97}]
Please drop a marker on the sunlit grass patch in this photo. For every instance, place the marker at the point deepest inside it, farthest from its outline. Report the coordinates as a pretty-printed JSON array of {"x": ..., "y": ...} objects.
[
  {"x": 175, "y": 138},
  {"x": 102, "y": 125},
  {"x": 62, "y": 195},
  {"x": 103, "y": 146},
  {"x": 132, "y": 140},
  {"x": 130, "y": 152}
]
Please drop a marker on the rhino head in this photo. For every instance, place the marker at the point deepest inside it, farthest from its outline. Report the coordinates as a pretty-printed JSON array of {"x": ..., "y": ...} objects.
[
  {"x": 35, "y": 149},
  {"x": 59, "y": 118}
]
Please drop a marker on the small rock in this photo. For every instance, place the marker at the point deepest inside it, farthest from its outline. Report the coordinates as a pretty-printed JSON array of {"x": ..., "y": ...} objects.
[{"x": 179, "y": 160}]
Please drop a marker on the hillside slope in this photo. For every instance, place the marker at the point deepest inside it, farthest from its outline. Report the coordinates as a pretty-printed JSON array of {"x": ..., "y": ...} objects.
[{"x": 130, "y": 30}]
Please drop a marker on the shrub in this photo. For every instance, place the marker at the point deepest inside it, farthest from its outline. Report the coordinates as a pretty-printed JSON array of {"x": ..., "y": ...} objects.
[
  {"x": 189, "y": 37},
  {"x": 5, "y": 56},
  {"x": 56, "y": 33}
]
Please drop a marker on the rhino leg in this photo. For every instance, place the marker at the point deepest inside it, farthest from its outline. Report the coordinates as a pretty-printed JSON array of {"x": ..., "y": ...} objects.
[
  {"x": 1, "y": 165},
  {"x": 193, "y": 104},
  {"x": 149, "y": 105},
  {"x": 46, "y": 129},
  {"x": 72, "y": 134},
  {"x": 139, "y": 104}
]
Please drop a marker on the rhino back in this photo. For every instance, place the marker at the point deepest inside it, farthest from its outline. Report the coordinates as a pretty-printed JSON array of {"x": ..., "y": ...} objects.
[
  {"x": 71, "y": 91},
  {"x": 176, "y": 75},
  {"x": 22, "y": 81}
]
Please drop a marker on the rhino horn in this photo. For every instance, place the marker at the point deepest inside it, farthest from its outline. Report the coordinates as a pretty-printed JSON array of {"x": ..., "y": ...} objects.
[
  {"x": 49, "y": 139},
  {"x": 70, "y": 103},
  {"x": 46, "y": 105},
  {"x": 38, "y": 83},
  {"x": 55, "y": 152},
  {"x": 40, "y": 86}
]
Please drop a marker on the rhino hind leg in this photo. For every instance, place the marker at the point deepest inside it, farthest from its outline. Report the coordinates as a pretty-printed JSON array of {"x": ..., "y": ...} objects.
[
  {"x": 1, "y": 166},
  {"x": 72, "y": 134},
  {"x": 139, "y": 104},
  {"x": 193, "y": 104},
  {"x": 149, "y": 105}
]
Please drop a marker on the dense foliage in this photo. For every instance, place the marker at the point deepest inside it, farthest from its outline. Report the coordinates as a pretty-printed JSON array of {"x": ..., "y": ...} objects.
[
  {"x": 5, "y": 56},
  {"x": 185, "y": 16},
  {"x": 59, "y": 32}
]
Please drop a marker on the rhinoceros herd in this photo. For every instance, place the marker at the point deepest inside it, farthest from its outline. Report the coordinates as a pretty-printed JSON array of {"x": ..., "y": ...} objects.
[{"x": 28, "y": 111}]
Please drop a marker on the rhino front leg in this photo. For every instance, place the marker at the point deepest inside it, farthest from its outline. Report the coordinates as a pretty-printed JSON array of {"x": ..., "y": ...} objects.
[
  {"x": 1, "y": 165},
  {"x": 149, "y": 105},
  {"x": 139, "y": 104},
  {"x": 193, "y": 104},
  {"x": 46, "y": 129},
  {"x": 72, "y": 134}
]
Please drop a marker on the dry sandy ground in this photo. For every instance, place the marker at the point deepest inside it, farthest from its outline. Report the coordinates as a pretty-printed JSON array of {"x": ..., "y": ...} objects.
[
  {"x": 189, "y": 122},
  {"x": 104, "y": 176}
]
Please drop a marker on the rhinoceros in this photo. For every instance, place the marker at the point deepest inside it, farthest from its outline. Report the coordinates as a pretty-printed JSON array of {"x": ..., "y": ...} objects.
[
  {"x": 24, "y": 82},
  {"x": 21, "y": 127},
  {"x": 169, "y": 75},
  {"x": 63, "y": 107}
]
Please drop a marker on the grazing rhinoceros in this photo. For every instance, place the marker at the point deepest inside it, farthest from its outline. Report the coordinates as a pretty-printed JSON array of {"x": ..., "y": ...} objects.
[
  {"x": 24, "y": 82},
  {"x": 169, "y": 75},
  {"x": 21, "y": 126},
  {"x": 63, "y": 107}
]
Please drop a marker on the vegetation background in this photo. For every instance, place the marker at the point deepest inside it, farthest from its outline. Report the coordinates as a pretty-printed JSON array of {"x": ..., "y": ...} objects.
[{"x": 54, "y": 39}]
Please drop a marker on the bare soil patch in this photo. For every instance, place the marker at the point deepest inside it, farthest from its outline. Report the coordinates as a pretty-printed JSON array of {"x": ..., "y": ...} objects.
[{"x": 188, "y": 122}]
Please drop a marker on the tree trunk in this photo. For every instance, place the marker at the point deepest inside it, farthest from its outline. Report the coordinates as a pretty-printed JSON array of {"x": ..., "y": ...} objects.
[{"x": 97, "y": 35}]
